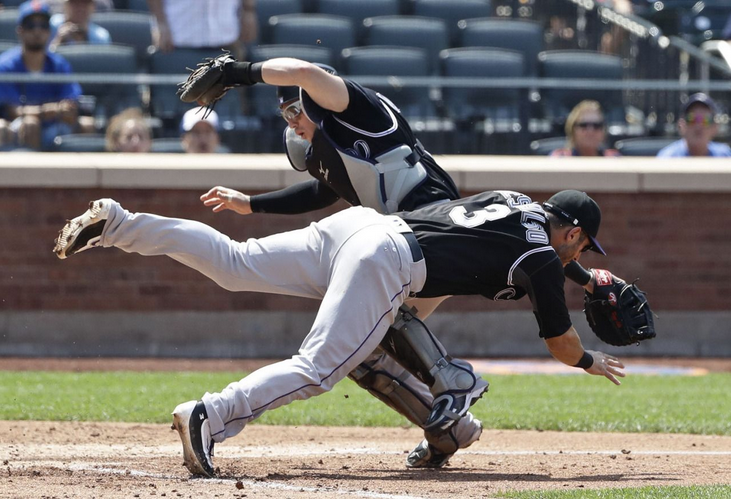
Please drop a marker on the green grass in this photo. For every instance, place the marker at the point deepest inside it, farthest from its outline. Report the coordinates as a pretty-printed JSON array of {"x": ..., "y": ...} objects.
[
  {"x": 673, "y": 492},
  {"x": 667, "y": 404}
]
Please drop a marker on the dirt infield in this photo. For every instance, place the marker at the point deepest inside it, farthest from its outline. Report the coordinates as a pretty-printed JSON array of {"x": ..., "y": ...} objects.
[
  {"x": 113, "y": 460},
  {"x": 85, "y": 460}
]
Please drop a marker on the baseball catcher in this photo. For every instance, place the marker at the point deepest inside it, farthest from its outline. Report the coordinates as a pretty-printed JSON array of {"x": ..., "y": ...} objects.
[{"x": 617, "y": 312}]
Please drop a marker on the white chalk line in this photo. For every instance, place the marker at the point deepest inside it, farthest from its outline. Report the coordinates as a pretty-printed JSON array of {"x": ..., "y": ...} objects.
[{"x": 45, "y": 451}]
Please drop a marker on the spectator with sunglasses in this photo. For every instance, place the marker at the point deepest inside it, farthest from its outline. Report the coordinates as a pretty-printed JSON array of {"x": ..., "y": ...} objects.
[
  {"x": 585, "y": 132},
  {"x": 697, "y": 126},
  {"x": 33, "y": 114}
]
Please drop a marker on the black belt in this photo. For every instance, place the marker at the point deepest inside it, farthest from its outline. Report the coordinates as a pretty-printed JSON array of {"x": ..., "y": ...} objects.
[{"x": 416, "y": 253}]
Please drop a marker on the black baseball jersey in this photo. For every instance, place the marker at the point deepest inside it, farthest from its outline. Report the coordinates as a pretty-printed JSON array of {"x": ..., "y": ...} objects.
[
  {"x": 494, "y": 244},
  {"x": 370, "y": 126}
]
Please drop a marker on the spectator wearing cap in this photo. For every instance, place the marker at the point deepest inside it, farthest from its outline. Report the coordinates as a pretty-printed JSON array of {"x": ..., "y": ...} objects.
[
  {"x": 199, "y": 129},
  {"x": 697, "y": 127},
  {"x": 74, "y": 25},
  {"x": 35, "y": 113},
  {"x": 585, "y": 132}
]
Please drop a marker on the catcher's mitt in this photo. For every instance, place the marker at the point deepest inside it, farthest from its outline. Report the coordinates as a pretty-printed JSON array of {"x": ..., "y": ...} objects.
[
  {"x": 618, "y": 313},
  {"x": 206, "y": 84}
]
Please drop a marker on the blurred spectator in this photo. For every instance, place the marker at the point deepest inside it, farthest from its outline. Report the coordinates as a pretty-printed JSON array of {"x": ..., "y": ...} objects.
[
  {"x": 128, "y": 131},
  {"x": 698, "y": 127},
  {"x": 36, "y": 112},
  {"x": 616, "y": 37},
  {"x": 216, "y": 24},
  {"x": 74, "y": 25},
  {"x": 726, "y": 33},
  {"x": 199, "y": 129},
  {"x": 585, "y": 132}
]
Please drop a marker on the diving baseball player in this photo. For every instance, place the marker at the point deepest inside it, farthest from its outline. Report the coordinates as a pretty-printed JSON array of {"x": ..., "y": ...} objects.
[
  {"x": 500, "y": 245},
  {"x": 357, "y": 146}
]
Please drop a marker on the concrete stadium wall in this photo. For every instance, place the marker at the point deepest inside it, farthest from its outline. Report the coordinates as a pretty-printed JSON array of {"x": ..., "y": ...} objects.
[{"x": 666, "y": 222}]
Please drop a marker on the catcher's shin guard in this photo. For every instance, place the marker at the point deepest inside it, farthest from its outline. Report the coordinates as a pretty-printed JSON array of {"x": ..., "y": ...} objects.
[
  {"x": 392, "y": 390},
  {"x": 452, "y": 382}
]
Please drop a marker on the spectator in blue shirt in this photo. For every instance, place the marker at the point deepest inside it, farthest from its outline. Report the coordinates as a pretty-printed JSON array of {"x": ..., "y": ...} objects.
[
  {"x": 697, "y": 125},
  {"x": 35, "y": 113},
  {"x": 74, "y": 25}
]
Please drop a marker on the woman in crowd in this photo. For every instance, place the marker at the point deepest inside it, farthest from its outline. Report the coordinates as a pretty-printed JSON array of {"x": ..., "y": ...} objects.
[
  {"x": 585, "y": 132},
  {"x": 128, "y": 131}
]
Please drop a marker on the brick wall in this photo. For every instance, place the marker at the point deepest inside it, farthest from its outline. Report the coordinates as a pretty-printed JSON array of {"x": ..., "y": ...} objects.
[{"x": 678, "y": 243}]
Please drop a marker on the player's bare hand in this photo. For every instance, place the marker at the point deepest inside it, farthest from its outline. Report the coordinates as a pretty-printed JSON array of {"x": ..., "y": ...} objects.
[
  {"x": 223, "y": 198},
  {"x": 606, "y": 365}
]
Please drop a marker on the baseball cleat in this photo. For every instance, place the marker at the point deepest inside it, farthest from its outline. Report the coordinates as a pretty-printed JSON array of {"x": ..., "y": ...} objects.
[
  {"x": 426, "y": 455},
  {"x": 190, "y": 419},
  {"x": 83, "y": 232},
  {"x": 449, "y": 407}
]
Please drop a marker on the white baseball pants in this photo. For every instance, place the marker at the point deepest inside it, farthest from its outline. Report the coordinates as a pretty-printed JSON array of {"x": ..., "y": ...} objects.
[{"x": 355, "y": 261}]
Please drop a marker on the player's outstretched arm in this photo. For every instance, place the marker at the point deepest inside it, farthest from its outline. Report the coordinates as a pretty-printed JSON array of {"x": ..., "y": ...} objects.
[
  {"x": 223, "y": 198},
  {"x": 567, "y": 348},
  {"x": 327, "y": 90}
]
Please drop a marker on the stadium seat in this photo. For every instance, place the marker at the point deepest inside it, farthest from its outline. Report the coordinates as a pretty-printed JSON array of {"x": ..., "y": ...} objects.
[
  {"x": 268, "y": 8},
  {"x": 110, "y": 97},
  {"x": 8, "y": 23},
  {"x": 642, "y": 146},
  {"x": 452, "y": 12},
  {"x": 581, "y": 64},
  {"x": 333, "y": 32},
  {"x": 310, "y": 53},
  {"x": 409, "y": 31},
  {"x": 357, "y": 10},
  {"x": 165, "y": 103},
  {"x": 544, "y": 147},
  {"x": 414, "y": 102},
  {"x": 497, "y": 104},
  {"x": 167, "y": 145},
  {"x": 524, "y": 36},
  {"x": 175, "y": 146},
  {"x": 80, "y": 142},
  {"x": 138, "y": 5},
  {"x": 263, "y": 98},
  {"x": 129, "y": 28}
]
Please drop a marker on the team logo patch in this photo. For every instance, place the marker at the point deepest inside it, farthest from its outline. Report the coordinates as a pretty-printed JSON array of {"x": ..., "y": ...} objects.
[
  {"x": 603, "y": 277},
  {"x": 612, "y": 298}
]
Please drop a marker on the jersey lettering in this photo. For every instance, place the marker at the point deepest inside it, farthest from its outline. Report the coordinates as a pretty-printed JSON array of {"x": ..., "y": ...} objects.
[{"x": 531, "y": 215}]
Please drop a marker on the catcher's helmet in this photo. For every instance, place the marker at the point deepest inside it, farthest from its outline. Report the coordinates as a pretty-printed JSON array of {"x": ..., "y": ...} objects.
[{"x": 288, "y": 93}]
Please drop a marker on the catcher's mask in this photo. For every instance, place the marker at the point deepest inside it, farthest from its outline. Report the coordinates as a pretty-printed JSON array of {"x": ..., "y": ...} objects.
[{"x": 580, "y": 210}]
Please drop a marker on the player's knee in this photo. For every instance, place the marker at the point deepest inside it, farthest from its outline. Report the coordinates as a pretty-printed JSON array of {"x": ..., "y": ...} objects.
[{"x": 314, "y": 380}]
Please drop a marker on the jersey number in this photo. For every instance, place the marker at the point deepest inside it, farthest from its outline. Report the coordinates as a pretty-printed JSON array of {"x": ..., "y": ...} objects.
[
  {"x": 531, "y": 214},
  {"x": 491, "y": 213}
]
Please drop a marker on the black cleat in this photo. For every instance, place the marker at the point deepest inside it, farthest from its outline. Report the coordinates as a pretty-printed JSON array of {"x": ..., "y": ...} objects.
[{"x": 191, "y": 421}]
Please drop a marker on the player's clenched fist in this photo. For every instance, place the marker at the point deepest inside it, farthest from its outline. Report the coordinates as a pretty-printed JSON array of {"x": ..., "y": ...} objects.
[{"x": 223, "y": 198}]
